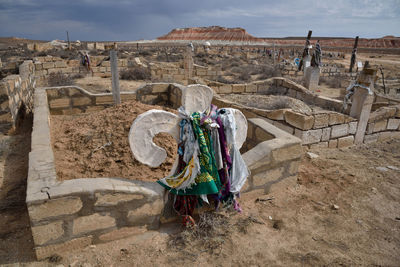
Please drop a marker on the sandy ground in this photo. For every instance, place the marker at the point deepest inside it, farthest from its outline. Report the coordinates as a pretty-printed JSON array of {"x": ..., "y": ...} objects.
[
  {"x": 96, "y": 144},
  {"x": 299, "y": 225}
]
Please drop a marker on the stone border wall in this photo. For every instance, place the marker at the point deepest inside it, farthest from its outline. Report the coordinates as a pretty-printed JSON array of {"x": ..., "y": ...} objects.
[
  {"x": 75, "y": 213},
  {"x": 16, "y": 91},
  {"x": 323, "y": 129},
  {"x": 326, "y": 71}
]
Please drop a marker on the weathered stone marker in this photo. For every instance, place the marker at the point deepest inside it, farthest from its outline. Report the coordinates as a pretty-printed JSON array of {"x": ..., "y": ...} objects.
[
  {"x": 353, "y": 55},
  {"x": 306, "y": 52},
  {"x": 115, "y": 77},
  {"x": 362, "y": 102},
  {"x": 311, "y": 77},
  {"x": 188, "y": 62}
]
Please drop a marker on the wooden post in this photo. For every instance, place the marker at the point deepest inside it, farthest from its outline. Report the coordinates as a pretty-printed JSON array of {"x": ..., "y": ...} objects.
[
  {"x": 115, "y": 77},
  {"x": 273, "y": 55},
  {"x": 305, "y": 51},
  {"x": 353, "y": 55}
]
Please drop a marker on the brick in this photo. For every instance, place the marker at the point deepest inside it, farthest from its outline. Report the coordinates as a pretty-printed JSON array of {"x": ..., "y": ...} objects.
[
  {"x": 114, "y": 199},
  {"x": 371, "y": 138},
  {"x": 339, "y": 130},
  {"x": 48, "y": 232},
  {"x": 379, "y": 126},
  {"x": 225, "y": 89},
  {"x": 54, "y": 208},
  {"x": 92, "y": 222},
  {"x": 310, "y": 136},
  {"x": 393, "y": 124},
  {"x": 60, "y": 64},
  {"x": 74, "y": 244},
  {"x": 276, "y": 114},
  {"x": 81, "y": 101},
  {"x": 333, "y": 143},
  {"x": 346, "y": 141},
  {"x": 48, "y": 65},
  {"x": 321, "y": 120},
  {"x": 264, "y": 177},
  {"x": 326, "y": 134},
  {"x": 336, "y": 118},
  {"x": 298, "y": 120},
  {"x": 60, "y": 103}
]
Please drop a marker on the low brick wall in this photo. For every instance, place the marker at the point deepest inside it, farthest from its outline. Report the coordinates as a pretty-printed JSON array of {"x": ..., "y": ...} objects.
[{"x": 75, "y": 213}]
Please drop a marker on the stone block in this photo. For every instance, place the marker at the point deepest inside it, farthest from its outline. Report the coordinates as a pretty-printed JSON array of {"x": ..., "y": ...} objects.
[
  {"x": 160, "y": 88},
  {"x": 81, "y": 101},
  {"x": 339, "y": 130},
  {"x": 251, "y": 88},
  {"x": 298, "y": 120},
  {"x": 71, "y": 111},
  {"x": 379, "y": 126},
  {"x": 326, "y": 134},
  {"x": 238, "y": 88},
  {"x": 74, "y": 244},
  {"x": 48, "y": 65},
  {"x": 60, "y": 103},
  {"x": 225, "y": 89},
  {"x": 38, "y": 66},
  {"x": 371, "y": 138},
  {"x": 321, "y": 120},
  {"x": 393, "y": 124},
  {"x": 336, "y": 118},
  {"x": 60, "y": 64},
  {"x": 353, "y": 127},
  {"x": 147, "y": 214},
  {"x": 388, "y": 136},
  {"x": 105, "y": 64},
  {"x": 382, "y": 113},
  {"x": 310, "y": 136},
  {"x": 267, "y": 176},
  {"x": 54, "y": 208},
  {"x": 106, "y": 99},
  {"x": 346, "y": 141},
  {"x": 114, "y": 199},
  {"x": 91, "y": 223},
  {"x": 48, "y": 232},
  {"x": 333, "y": 143},
  {"x": 94, "y": 108},
  {"x": 276, "y": 114}
]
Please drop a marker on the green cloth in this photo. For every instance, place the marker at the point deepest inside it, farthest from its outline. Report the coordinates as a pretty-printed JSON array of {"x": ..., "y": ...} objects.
[{"x": 207, "y": 182}]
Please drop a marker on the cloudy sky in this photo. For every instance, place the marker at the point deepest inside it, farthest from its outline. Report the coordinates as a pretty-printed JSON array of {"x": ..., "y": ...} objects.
[{"x": 148, "y": 19}]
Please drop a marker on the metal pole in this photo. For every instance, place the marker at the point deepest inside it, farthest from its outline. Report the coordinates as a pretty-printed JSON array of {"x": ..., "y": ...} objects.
[{"x": 115, "y": 77}]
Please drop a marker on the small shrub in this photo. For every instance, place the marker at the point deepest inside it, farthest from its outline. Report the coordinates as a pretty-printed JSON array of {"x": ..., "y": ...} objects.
[
  {"x": 221, "y": 79},
  {"x": 59, "y": 79},
  {"x": 136, "y": 73}
]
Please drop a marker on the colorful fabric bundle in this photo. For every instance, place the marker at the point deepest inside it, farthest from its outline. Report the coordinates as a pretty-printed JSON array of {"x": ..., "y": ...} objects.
[{"x": 210, "y": 165}]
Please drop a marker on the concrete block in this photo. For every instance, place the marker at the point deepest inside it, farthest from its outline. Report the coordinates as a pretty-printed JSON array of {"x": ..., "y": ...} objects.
[
  {"x": 54, "y": 208},
  {"x": 371, "y": 138},
  {"x": 298, "y": 120},
  {"x": 60, "y": 64},
  {"x": 346, "y": 141},
  {"x": 393, "y": 124},
  {"x": 310, "y": 136},
  {"x": 251, "y": 88},
  {"x": 284, "y": 126},
  {"x": 60, "y": 103},
  {"x": 286, "y": 153},
  {"x": 339, "y": 130},
  {"x": 48, "y": 232},
  {"x": 147, "y": 214},
  {"x": 91, "y": 223},
  {"x": 238, "y": 88},
  {"x": 107, "y": 99},
  {"x": 115, "y": 199}
]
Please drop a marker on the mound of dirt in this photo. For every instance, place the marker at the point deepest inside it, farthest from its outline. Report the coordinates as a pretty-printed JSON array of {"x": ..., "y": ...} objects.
[
  {"x": 270, "y": 102},
  {"x": 210, "y": 33},
  {"x": 93, "y": 145}
]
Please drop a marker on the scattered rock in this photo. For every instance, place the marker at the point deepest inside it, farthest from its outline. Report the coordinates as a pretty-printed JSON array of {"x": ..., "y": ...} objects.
[
  {"x": 382, "y": 169},
  {"x": 374, "y": 190},
  {"x": 278, "y": 224},
  {"x": 393, "y": 168},
  {"x": 92, "y": 246},
  {"x": 311, "y": 155},
  {"x": 270, "y": 217},
  {"x": 335, "y": 207}
]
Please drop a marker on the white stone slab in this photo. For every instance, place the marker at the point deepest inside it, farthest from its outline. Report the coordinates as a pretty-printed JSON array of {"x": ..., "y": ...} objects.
[{"x": 197, "y": 98}]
